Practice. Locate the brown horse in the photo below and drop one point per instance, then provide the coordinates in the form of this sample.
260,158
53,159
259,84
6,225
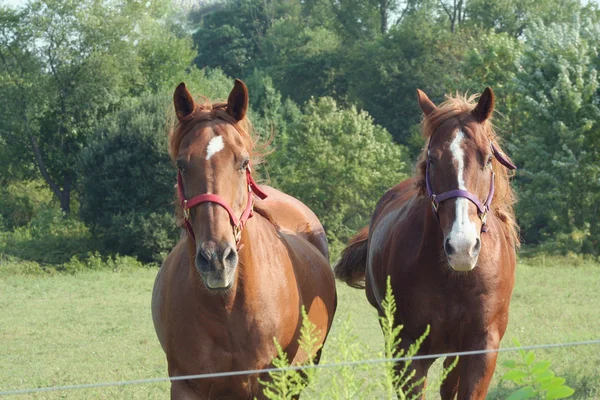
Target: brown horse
249,259
450,255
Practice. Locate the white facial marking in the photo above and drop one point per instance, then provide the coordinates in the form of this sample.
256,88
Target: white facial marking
463,235
459,157
214,146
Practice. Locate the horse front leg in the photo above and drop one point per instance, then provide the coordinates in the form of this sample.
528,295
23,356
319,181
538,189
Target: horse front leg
182,390
417,383
449,387
476,371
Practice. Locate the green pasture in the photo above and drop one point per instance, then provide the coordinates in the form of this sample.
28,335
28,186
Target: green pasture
95,326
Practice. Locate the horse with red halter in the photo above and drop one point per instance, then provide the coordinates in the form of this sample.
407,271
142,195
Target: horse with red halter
249,259
447,239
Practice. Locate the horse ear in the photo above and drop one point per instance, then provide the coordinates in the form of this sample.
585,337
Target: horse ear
237,102
485,106
183,100
426,105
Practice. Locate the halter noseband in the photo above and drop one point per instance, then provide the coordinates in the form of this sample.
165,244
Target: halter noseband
482,208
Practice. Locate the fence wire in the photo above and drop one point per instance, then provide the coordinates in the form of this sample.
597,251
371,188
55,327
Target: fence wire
294,368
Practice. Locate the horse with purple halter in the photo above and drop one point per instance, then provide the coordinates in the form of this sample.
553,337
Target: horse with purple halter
450,256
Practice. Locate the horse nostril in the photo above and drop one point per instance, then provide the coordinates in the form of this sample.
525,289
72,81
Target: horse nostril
476,247
448,247
229,256
202,259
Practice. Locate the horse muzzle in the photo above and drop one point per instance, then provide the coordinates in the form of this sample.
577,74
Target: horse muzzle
216,264
462,254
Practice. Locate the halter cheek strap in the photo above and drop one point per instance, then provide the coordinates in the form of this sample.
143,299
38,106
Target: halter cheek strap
482,208
236,224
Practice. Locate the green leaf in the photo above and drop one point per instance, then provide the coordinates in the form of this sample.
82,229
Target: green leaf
529,357
510,364
526,392
552,383
540,367
559,392
515,375
544,376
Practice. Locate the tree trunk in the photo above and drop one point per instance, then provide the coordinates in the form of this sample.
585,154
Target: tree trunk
383,12
64,195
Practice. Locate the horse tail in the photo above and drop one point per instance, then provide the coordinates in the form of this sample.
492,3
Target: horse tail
353,262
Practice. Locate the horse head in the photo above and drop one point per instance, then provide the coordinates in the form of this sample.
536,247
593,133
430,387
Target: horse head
212,152
459,174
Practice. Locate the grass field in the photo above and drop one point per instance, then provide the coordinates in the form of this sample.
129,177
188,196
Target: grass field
96,326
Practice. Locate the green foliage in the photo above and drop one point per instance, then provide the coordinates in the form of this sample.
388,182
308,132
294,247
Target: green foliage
51,237
16,208
93,261
338,162
65,64
514,16
127,177
350,381
558,136
535,378
399,377
289,383
127,182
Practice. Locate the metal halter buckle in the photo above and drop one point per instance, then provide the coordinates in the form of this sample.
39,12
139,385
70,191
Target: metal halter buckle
186,210
434,204
483,217
237,232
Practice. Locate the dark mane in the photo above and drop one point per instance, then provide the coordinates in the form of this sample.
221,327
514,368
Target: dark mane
460,107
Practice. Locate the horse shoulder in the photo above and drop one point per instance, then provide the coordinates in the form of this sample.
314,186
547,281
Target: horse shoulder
293,216
161,289
316,286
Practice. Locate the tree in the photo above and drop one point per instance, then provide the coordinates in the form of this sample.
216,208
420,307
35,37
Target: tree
127,177
514,16
558,135
339,163
65,64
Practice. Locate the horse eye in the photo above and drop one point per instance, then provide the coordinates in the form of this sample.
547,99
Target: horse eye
489,160
180,165
430,160
245,164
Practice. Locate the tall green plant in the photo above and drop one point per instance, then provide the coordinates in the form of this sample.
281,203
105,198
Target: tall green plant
289,383
535,378
353,381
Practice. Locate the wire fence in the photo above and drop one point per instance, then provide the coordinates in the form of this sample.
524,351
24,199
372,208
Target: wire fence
295,368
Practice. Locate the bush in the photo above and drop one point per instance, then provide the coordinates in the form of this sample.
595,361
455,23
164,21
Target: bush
19,202
127,177
339,163
50,238
127,182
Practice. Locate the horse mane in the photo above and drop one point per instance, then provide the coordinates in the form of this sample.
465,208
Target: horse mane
208,111
460,107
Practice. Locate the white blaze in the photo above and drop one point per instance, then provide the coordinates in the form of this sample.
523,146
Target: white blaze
214,146
463,235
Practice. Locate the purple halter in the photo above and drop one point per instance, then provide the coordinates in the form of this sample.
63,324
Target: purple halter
483,208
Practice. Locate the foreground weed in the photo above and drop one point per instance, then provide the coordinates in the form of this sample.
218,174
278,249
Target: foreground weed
536,379
289,383
399,377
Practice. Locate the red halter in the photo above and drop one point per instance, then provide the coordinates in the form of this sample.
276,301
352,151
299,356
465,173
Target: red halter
237,224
